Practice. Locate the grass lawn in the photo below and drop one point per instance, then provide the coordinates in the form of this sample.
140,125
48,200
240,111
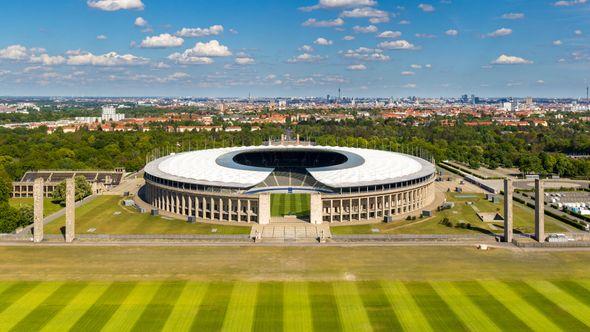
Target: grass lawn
126,288
289,204
524,220
107,215
491,305
49,207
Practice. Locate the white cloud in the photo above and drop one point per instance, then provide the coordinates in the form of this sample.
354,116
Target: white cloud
452,32
101,37
578,32
114,5
164,40
186,59
210,49
365,12
416,66
213,30
244,60
358,67
378,20
409,86
323,41
502,32
540,82
390,34
510,60
332,4
161,65
14,52
426,7
305,57
306,49
557,42
201,53
111,59
312,22
33,55
140,22
47,60
366,54
408,73
367,29
404,22
513,16
348,38
569,3
398,45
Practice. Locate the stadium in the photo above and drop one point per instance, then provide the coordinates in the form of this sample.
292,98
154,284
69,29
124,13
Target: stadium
237,184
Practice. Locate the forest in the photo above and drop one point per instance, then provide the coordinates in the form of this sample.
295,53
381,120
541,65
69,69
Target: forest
534,150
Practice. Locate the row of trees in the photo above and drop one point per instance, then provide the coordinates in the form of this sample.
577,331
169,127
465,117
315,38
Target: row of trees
535,150
11,218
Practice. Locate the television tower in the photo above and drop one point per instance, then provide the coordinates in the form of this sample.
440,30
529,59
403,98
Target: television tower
339,94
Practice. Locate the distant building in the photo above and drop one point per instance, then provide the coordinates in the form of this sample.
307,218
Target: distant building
109,113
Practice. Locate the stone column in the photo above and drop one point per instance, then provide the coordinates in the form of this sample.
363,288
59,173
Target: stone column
70,210
264,209
38,188
508,215
539,211
316,209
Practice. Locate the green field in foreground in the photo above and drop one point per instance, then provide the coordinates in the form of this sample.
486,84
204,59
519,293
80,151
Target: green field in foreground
524,221
49,207
106,215
492,305
289,204
123,288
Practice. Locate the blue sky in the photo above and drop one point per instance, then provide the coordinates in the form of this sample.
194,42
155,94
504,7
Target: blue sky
294,48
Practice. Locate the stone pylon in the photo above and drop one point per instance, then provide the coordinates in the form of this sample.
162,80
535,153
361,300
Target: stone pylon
508,212
539,211
70,210
264,209
315,215
38,188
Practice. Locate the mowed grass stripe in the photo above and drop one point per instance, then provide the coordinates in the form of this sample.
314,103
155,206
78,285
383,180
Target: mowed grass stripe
27,303
323,307
101,311
565,301
378,307
132,308
350,307
13,292
269,307
535,319
574,289
435,309
44,312
71,313
471,315
409,314
296,308
157,311
213,307
182,315
560,317
240,310
502,316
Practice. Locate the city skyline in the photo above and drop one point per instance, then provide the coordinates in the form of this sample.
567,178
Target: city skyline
310,48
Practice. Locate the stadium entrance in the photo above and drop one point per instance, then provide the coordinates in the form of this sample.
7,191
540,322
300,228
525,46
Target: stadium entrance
290,207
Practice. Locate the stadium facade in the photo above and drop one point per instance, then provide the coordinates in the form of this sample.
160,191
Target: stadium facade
235,184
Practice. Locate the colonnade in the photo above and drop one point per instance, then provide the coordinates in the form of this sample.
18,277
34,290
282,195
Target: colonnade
216,207
377,205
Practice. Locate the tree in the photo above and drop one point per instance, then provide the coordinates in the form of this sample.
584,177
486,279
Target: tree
83,189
